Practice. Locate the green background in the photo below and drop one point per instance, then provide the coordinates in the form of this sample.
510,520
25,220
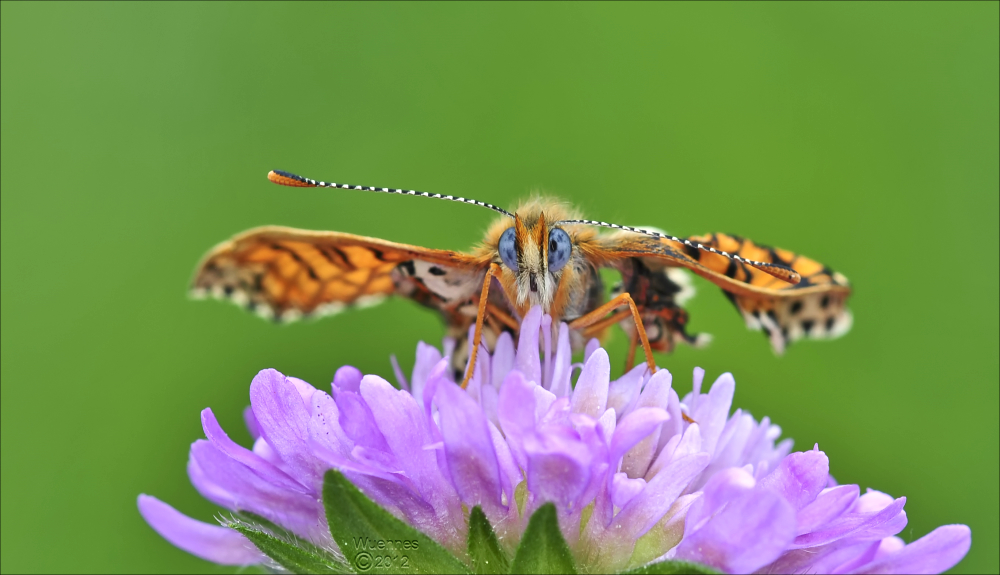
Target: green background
135,137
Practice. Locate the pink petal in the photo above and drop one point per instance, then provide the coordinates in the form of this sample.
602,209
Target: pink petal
643,512
633,428
935,552
284,422
800,477
751,531
527,360
624,489
830,504
428,357
561,386
624,391
263,468
850,524
210,542
712,410
503,359
251,422
468,447
591,394
347,378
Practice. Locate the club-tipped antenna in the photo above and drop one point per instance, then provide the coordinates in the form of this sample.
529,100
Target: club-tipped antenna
289,179
779,271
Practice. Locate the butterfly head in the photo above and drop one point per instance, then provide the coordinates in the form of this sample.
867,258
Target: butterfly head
534,254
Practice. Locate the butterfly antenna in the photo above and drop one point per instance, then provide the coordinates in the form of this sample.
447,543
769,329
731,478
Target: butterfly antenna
781,272
288,179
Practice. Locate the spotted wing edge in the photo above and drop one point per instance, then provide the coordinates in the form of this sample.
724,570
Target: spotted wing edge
611,248
401,252
762,308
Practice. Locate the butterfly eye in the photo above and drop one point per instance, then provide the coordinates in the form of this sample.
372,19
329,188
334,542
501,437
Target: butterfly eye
508,249
560,248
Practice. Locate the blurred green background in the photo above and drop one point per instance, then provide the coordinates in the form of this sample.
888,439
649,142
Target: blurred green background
135,137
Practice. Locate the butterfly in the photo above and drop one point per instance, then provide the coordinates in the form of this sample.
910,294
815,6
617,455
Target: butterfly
542,254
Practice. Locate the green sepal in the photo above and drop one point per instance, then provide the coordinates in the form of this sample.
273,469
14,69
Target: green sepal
672,568
542,548
259,523
291,557
356,523
484,549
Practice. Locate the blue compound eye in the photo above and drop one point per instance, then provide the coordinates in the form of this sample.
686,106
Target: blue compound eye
508,249
560,248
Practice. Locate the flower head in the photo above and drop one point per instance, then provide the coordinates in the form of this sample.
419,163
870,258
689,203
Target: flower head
635,473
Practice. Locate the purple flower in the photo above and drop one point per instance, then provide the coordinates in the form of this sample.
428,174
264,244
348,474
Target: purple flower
636,474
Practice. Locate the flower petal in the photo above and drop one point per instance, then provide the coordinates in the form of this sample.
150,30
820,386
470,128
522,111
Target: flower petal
935,552
590,397
624,489
646,509
284,423
829,558
437,376
263,468
234,486
347,378
543,401
403,423
624,391
358,422
490,401
517,412
391,491
851,523
546,327
210,542
510,474
397,372
468,448
562,370
527,360
656,394
503,359
830,504
304,388
678,446
712,411
324,427
800,477
725,486
558,468
427,357
666,534
635,427
751,531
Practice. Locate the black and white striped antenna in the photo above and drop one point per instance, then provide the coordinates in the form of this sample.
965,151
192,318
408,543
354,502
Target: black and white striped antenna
289,179
778,271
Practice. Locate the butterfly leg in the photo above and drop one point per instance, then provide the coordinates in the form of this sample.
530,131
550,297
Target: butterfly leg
630,358
595,317
502,317
477,337
597,328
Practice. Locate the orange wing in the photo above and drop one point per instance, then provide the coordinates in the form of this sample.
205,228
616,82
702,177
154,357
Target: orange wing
813,308
285,273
